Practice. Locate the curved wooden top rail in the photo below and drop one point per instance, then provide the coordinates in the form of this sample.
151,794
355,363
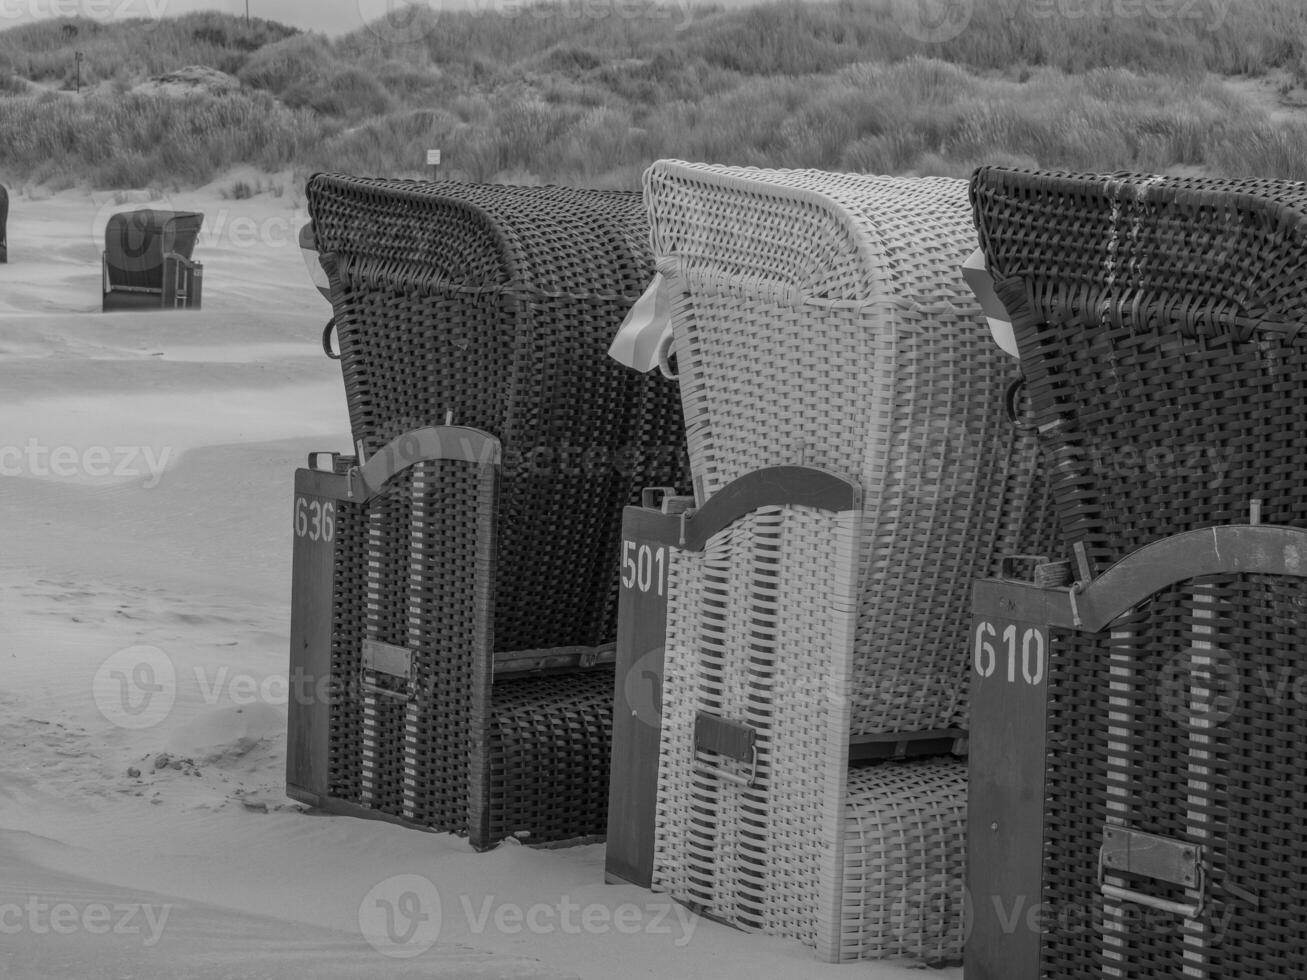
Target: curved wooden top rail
1264,549
803,486
431,443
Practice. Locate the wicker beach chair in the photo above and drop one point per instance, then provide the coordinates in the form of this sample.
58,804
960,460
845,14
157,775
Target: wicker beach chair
822,319
1147,779
147,262
473,576
1158,343
821,326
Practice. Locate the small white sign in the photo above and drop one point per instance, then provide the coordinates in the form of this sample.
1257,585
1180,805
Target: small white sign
433,158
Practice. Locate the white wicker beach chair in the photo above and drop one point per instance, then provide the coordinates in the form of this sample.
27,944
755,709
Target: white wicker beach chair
822,320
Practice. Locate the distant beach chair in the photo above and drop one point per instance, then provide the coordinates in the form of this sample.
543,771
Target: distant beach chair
147,263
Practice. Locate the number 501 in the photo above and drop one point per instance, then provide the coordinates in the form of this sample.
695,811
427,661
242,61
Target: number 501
643,567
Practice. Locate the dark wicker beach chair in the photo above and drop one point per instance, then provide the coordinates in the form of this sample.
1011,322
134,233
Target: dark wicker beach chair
1159,343
147,262
1145,775
468,595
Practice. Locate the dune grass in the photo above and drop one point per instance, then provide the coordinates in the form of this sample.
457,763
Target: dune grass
589,95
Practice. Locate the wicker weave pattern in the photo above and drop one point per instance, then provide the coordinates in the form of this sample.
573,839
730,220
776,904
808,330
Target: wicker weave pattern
738,633
550,740
1157,323
822,319
904,854
1198,741
442,561
347,633
386,615
494,306
862,863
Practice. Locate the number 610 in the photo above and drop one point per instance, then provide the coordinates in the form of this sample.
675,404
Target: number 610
1033,652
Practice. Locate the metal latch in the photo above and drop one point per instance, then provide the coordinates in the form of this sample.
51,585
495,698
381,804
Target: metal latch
393,661
1151,856
665,500
732,739
1038,569
337,463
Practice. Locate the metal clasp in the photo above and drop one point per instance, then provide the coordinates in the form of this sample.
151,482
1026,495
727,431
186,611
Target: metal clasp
1159,858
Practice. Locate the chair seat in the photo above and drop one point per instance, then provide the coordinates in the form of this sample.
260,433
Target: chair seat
549,744
905,855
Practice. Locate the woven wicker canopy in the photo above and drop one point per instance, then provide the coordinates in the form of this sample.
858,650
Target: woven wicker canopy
1158,323
135,243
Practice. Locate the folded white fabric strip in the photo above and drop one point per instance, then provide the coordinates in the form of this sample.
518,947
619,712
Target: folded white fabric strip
982,284
643,331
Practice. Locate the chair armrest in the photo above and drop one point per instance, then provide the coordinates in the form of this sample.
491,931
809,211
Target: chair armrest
182,280
179,258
